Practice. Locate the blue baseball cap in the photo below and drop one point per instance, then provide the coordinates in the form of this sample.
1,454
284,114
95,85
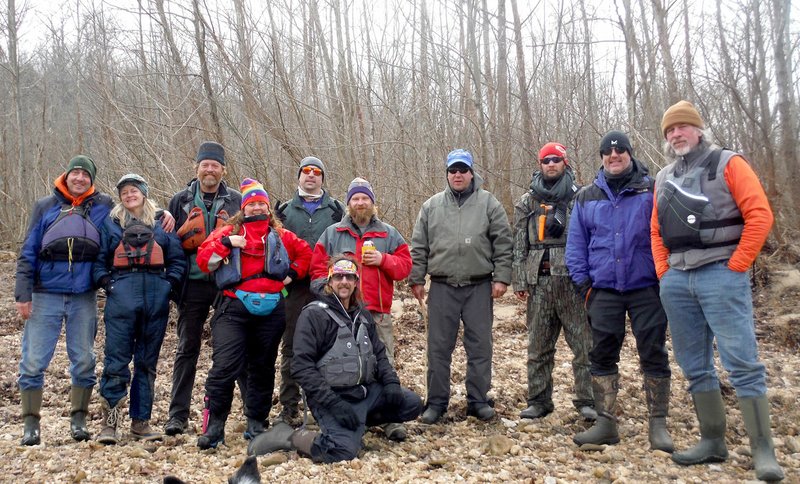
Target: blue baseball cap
459,156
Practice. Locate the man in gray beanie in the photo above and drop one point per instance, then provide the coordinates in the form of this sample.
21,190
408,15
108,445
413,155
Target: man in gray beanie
307,214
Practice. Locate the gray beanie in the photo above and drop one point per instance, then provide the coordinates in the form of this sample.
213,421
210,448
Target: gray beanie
312,161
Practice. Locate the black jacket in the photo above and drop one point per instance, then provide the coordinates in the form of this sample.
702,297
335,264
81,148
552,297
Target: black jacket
314,336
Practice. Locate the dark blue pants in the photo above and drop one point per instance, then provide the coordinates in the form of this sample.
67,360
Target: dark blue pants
336,443
135,319
242,341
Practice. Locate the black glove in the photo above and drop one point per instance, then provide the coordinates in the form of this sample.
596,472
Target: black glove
556,222
344,414
393,395
103,282
583,289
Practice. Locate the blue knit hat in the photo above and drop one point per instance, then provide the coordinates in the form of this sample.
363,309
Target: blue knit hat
135,180
360,185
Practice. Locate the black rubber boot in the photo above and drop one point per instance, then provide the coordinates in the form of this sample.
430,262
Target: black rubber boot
755,413
79,397
31,407
214,434
657,392
254,427
604,430
710,410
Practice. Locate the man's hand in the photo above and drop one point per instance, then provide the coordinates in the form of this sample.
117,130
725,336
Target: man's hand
393,395
167,221
498,289
418,290
344,414
521,295
24,309
237,241
371,258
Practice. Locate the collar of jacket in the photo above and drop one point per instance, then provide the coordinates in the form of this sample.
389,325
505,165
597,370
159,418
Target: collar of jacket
639,182
375,226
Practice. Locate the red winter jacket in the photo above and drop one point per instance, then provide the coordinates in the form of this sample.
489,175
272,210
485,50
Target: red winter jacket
213,251
376,283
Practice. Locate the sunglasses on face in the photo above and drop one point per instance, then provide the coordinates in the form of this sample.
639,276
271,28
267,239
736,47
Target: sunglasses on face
346,277
459,169
619,151
307,170
552,159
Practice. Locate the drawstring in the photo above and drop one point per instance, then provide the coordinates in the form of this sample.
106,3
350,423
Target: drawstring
70,244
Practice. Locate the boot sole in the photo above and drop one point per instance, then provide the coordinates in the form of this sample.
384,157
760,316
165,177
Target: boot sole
602,442
706,460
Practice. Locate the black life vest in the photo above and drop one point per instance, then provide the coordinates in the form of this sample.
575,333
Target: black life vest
138,249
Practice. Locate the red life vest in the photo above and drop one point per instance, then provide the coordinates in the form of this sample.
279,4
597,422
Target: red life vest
193,232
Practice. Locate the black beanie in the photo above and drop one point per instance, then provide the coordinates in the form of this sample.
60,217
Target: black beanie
211,150
615,139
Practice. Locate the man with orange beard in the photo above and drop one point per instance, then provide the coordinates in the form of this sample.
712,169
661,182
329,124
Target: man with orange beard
384,258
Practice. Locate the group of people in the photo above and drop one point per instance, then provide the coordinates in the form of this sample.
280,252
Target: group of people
313,279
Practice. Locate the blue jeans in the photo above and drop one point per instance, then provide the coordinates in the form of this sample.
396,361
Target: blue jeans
711,302
78,312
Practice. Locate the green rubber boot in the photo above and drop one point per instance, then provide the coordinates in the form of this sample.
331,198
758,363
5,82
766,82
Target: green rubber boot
31,406
755,413
79,397
604,430
710,410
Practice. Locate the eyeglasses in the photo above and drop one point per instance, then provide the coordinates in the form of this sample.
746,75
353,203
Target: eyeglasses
346,277
454,170
552,159
307,170
619,151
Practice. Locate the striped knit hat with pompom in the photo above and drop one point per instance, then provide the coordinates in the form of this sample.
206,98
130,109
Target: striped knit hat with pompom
253,191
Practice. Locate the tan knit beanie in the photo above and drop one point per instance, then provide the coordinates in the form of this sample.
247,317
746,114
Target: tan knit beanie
681,112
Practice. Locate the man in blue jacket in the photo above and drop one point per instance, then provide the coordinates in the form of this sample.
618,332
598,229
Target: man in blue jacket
54,284
610,262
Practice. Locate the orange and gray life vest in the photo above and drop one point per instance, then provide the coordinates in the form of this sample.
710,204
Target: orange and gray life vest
194,231
350,361
698,217
71,237
138,249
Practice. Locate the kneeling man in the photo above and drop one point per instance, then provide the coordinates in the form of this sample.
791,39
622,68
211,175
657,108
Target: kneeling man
341,365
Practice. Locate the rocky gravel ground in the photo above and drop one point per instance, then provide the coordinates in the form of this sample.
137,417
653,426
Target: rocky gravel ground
506,449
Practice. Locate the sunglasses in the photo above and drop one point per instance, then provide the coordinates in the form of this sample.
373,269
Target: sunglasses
552,159
307,170
454,170
346,277
619,151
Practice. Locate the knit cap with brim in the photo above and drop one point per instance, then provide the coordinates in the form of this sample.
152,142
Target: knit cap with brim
84,163
135,180
682,112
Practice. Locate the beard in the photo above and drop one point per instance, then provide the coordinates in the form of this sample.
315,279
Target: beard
362,216
682,150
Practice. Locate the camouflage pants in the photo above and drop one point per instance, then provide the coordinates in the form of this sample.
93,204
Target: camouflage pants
553,305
